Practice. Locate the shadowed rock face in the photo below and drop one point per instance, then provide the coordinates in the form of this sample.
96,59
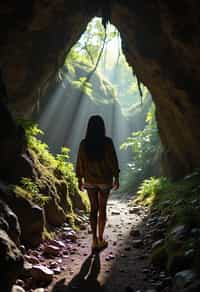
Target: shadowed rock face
160,39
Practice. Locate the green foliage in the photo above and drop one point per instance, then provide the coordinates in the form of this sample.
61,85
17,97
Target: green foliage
41,149
52,170
33,190
83,85
60,162
66,168
179,202
150,188
143,145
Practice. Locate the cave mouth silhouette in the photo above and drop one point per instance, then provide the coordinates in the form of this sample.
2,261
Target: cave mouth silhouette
89,85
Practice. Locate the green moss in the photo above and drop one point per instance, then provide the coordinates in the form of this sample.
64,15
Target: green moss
47,234
55,177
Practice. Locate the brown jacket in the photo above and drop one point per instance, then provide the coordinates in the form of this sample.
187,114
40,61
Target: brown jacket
98,172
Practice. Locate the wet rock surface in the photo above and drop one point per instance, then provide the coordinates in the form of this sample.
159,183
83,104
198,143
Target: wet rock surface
11,261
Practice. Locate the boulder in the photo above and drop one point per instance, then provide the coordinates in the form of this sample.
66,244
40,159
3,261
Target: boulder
41,274
9,222
31,217
11,262
55,215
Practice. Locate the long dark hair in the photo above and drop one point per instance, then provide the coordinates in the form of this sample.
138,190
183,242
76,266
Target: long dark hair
95,138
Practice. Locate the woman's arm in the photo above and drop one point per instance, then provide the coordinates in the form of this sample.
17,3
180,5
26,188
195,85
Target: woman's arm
80,167
114,165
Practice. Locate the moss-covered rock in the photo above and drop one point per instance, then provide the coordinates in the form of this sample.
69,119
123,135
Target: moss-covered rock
55,215
30,216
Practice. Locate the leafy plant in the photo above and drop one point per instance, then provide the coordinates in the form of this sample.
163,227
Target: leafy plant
151,187
32,188
143,145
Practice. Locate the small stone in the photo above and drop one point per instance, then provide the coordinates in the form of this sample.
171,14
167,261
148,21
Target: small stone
58,243
23,249
189,253
41,273
20,282
115,212
53,265
157,243
179,232
184,278
32,259
134,210
194,202
17,288
137,243
70,235
67,229
57,270
51,250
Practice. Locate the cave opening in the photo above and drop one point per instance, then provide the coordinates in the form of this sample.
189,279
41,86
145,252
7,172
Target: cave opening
41,206
96,79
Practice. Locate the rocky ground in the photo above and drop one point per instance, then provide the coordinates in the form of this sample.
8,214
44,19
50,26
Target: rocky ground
66,263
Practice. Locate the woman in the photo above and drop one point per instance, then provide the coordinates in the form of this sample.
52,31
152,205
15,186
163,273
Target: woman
97,171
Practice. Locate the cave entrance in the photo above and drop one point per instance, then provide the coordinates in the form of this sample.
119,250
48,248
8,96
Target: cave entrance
96,79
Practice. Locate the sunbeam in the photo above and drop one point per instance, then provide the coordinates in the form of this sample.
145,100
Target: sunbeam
90,85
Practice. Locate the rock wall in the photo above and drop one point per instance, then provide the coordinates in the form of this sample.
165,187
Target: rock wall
160,39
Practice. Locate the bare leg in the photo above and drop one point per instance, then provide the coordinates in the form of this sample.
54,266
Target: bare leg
93,196
103,198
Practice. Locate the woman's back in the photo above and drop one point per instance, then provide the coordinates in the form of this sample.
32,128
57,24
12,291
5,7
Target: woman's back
100,170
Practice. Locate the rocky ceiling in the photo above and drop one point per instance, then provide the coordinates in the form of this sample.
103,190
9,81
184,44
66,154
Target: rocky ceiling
161,40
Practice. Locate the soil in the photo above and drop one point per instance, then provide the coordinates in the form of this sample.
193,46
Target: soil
122,266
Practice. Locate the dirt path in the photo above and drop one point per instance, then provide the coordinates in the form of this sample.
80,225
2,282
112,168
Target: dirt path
120,267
